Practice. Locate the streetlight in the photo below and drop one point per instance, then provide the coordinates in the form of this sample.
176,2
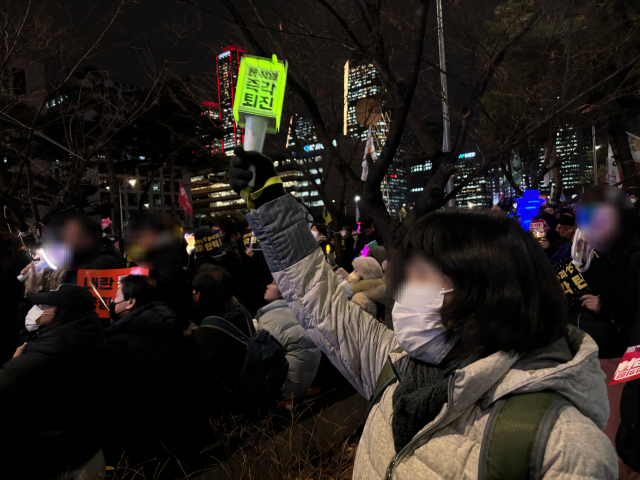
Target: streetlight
357,198
357,211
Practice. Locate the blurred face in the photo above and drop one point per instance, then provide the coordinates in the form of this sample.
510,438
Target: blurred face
421,272
314,229
369,230
600,224
272,294
48,314
196,297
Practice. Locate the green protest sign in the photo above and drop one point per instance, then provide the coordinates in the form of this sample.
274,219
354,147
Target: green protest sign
260,90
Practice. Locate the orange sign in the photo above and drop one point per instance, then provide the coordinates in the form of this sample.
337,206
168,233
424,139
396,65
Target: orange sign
106,283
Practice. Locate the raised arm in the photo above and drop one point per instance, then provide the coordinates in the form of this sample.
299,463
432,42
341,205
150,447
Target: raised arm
355,342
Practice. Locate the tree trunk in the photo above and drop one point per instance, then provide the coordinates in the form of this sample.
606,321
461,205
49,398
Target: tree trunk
625,158
172,187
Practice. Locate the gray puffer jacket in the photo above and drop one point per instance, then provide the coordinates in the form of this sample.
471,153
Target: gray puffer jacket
302,354
448,447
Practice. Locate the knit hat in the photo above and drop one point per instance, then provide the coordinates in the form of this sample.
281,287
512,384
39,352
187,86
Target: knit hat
368,268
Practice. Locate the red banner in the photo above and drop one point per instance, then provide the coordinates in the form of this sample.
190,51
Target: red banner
183,200
629,368
106,283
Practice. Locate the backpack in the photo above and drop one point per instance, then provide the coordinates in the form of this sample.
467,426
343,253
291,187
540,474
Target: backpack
515,438
264,370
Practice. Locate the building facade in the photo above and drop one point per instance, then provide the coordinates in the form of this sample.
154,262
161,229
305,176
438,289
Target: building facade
157,199
227,64
362,80
573,149
479,192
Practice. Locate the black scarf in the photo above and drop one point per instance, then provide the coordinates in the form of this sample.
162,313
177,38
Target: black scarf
420,395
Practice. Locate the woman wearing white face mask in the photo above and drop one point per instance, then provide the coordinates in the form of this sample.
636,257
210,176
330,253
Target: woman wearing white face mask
479,315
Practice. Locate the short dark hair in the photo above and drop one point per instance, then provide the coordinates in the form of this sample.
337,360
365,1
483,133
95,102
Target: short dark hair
321,228
226,226
144,289
217,274
209,287
367,222
506,294
347,228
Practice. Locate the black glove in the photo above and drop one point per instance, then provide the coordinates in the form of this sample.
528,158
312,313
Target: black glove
240,175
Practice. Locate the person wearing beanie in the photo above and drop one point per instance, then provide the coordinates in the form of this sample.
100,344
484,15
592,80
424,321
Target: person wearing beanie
367,283
49,391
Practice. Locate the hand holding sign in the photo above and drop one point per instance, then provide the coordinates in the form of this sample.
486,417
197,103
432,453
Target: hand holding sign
257,109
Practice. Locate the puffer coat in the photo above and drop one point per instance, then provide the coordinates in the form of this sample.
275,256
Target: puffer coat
302,354
449,446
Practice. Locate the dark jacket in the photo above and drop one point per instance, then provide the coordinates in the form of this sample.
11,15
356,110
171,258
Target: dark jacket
563,252
11,294
107,258
142,369
348,253
364,239
49,401
616,284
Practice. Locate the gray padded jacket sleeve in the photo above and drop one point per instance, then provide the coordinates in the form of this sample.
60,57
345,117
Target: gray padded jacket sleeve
354,341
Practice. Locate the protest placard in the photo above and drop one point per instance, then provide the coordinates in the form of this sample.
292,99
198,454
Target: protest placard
106,283
629,368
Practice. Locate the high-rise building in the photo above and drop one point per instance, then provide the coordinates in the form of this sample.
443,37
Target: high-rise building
227,64
479,192
308,156
420,170
573,148
362,80
398,188
212,196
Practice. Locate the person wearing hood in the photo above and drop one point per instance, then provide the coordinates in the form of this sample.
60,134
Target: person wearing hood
50,390
479,317
302,354
143,374
367,283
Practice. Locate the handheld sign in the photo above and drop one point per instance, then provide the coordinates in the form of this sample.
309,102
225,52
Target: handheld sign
629,368
208,243
259,97
103,284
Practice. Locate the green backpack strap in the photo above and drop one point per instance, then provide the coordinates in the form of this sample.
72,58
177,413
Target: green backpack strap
516,435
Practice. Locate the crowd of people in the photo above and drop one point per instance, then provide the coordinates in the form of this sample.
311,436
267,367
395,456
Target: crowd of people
484,314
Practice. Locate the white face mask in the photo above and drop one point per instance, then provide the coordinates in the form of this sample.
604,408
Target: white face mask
417,323
30,321
343,233
634,200
315,233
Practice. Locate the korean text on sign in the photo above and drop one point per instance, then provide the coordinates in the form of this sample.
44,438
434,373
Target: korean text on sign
261,88
209,243
106,283
629,368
